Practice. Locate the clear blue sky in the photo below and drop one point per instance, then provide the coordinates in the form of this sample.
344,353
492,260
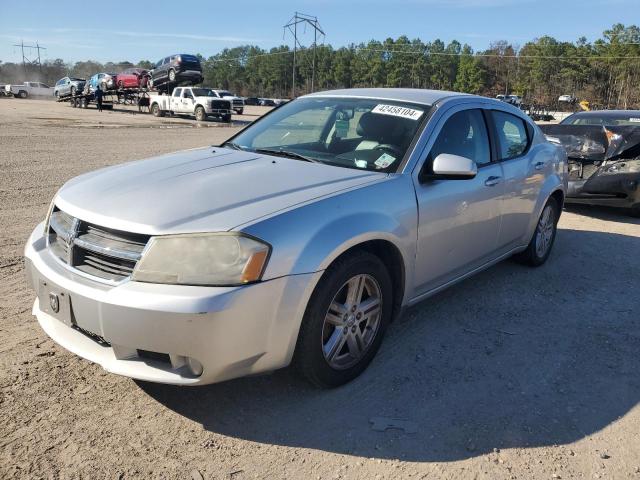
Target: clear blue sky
129,31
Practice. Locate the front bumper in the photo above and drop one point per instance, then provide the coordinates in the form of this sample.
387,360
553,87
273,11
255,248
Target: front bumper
619,190
154,332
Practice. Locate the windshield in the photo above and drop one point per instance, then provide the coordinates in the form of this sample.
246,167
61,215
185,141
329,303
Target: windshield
633,119
203,92
224,93
347,132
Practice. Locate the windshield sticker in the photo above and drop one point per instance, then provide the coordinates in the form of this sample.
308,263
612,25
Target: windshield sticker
384,160
394,110
361,163
634,119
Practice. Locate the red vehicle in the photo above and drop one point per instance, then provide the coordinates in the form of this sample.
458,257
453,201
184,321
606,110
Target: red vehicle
133,78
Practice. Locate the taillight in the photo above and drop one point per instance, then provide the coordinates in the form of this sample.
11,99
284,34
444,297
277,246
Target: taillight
178,59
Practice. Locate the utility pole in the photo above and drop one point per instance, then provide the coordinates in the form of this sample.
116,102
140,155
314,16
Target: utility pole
292,26
25,59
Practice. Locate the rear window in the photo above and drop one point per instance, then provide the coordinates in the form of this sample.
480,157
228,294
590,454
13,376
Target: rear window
189,58
631,120
512,134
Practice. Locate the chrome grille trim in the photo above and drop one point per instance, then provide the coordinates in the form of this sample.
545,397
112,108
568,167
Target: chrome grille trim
97,252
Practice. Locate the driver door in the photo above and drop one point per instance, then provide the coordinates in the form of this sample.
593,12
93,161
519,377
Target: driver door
458,219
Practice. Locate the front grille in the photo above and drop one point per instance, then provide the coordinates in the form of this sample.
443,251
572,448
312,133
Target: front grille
220,105
94,250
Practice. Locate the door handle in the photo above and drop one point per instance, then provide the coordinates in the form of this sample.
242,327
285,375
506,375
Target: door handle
492,181
539,165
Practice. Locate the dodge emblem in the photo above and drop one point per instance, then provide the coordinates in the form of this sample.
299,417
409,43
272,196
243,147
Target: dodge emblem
54,302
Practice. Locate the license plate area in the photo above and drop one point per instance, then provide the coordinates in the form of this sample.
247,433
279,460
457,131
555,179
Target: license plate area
55,301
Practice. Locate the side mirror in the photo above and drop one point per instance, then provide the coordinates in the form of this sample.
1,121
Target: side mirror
454,167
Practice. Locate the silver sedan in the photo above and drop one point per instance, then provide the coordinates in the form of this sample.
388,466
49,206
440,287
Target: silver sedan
297,241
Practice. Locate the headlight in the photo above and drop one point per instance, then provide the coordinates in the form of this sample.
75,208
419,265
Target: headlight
212,259
625,166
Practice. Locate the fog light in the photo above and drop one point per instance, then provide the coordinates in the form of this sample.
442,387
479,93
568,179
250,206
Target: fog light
194,366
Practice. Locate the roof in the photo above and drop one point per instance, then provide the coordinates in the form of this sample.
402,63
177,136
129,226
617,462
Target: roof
413,95
607,113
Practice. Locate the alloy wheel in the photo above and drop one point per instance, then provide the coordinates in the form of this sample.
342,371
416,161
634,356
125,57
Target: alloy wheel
352,321
544,231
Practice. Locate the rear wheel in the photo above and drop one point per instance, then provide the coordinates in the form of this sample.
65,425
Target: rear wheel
200,114
73,91
22,94
345,320
539,247
155,110
172,75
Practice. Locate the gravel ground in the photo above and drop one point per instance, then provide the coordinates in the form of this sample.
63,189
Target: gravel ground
514,373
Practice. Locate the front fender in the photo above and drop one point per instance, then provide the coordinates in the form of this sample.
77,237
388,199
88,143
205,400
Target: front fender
310,237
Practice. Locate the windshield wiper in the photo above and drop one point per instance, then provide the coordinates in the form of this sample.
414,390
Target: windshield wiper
287,153
235,146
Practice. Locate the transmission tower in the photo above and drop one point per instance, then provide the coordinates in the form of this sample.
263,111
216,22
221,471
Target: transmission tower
292,27
26,60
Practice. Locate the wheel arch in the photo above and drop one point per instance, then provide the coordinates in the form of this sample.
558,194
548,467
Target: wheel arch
392,258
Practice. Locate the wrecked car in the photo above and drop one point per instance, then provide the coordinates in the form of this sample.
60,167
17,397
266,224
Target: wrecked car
603,150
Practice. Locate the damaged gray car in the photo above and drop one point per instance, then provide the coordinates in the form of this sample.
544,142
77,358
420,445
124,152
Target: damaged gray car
603,150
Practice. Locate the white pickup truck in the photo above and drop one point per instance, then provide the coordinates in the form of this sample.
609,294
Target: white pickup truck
29,89
237,103
196,101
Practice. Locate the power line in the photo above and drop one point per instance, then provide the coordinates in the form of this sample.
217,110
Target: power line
25,59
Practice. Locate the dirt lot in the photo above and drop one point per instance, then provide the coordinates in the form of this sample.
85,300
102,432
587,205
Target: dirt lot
515,373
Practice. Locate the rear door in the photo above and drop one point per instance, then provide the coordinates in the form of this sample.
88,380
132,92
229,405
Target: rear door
523,176
458,220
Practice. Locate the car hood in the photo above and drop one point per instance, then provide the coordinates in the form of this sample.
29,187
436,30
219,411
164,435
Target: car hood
208,189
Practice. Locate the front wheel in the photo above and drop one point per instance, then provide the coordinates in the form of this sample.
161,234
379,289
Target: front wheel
539,247
73,91
345,320
240,111
226,118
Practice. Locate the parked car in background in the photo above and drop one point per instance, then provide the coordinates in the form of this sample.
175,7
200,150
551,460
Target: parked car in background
132,78
267,102
515,100
567,99
177,69
196,101
68,86
105,80
3,91
297,240
236,102
604,157
252,101
29,89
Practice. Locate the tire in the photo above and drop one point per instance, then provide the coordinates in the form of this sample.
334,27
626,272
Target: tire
22,94
172,75
351,330
635,211
150,83
200,114
121,85
226,118
155,110
84,103
240,111
73,91
541,244
73,102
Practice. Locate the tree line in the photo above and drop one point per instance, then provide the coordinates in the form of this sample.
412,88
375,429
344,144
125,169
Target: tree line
605,72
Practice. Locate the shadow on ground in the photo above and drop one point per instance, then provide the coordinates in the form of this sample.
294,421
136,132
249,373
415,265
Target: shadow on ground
513,357
613,214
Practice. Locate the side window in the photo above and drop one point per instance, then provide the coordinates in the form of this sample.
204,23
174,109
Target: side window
464,134
512,134
177,92
159,64
166,60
